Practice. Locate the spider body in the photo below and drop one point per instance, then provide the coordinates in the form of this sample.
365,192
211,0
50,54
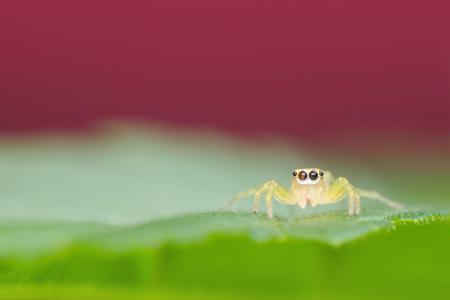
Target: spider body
312,186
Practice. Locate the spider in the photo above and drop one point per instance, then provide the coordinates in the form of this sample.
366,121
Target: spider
312,186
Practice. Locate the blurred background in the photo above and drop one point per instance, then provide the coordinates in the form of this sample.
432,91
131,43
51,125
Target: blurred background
122,112
311,70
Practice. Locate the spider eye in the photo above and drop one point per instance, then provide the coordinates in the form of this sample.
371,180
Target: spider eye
294,173
321,173
313,175
302,175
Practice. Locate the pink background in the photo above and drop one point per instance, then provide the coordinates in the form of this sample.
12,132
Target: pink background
303,68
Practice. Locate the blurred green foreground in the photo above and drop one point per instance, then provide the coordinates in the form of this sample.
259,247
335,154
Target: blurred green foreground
136,215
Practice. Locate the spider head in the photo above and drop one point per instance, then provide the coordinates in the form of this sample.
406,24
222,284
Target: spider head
307,176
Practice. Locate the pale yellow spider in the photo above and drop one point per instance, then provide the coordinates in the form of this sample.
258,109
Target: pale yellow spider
314,187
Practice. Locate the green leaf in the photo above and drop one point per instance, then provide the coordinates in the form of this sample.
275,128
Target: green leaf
331,228
136,213
233,262
335,229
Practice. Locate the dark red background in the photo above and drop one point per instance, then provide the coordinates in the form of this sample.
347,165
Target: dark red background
305,68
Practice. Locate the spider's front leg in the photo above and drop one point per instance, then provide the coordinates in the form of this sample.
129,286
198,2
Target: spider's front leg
339,189
272,189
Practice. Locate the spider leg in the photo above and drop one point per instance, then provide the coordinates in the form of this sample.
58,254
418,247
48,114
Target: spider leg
241,195
377,196
272,189
255,208
269,209
341,188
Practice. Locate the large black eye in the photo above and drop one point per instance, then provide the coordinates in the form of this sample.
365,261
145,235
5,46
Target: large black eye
294,173
313,175
302,175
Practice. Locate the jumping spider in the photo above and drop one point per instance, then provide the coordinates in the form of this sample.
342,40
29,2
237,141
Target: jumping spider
314,187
